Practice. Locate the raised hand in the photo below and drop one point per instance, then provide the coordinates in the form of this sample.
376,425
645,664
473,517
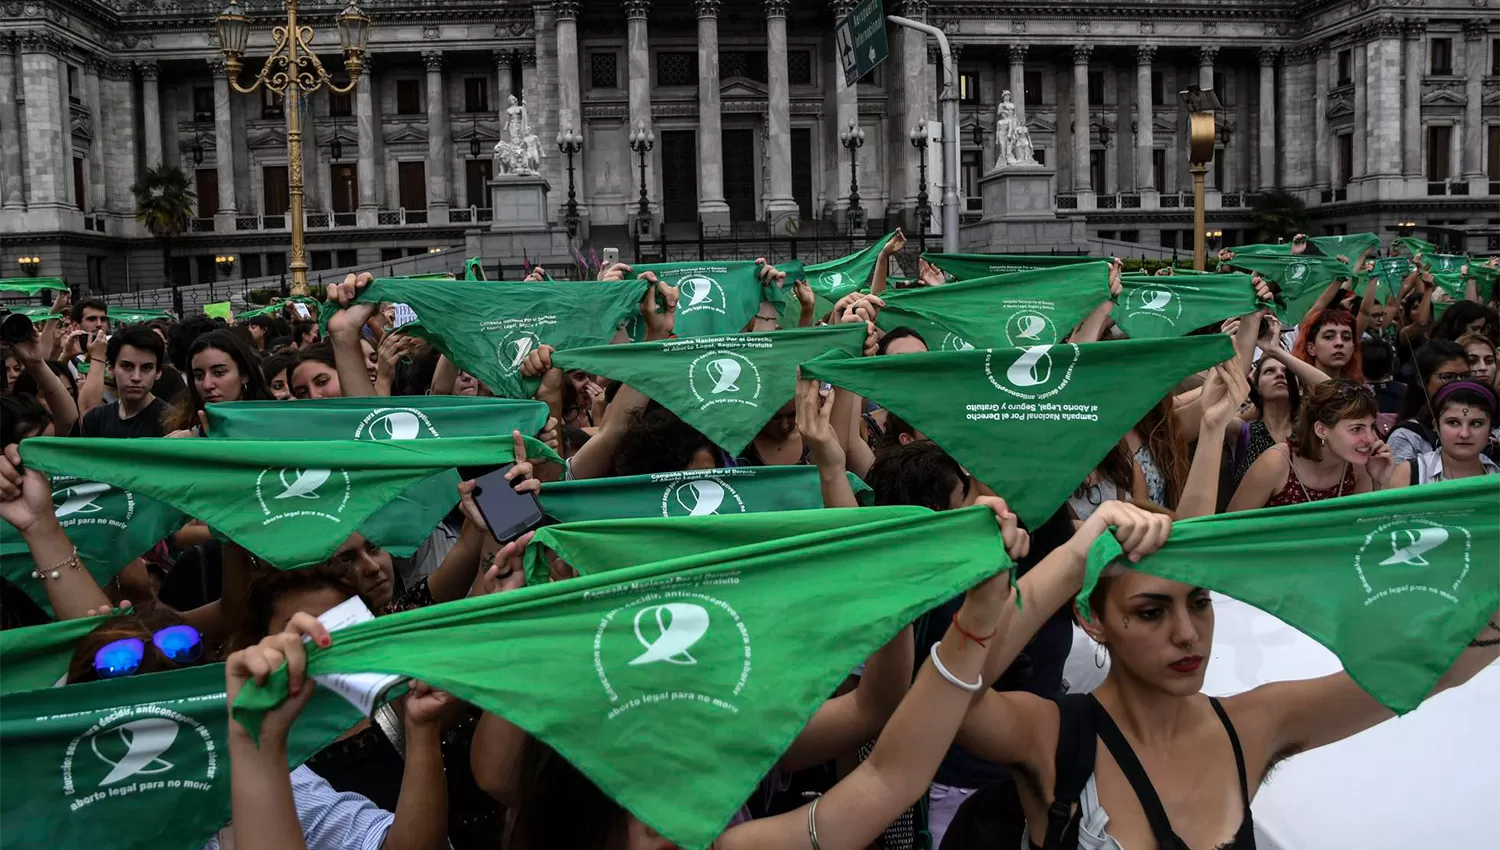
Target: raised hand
1017,541
537,362
614,271
659,323
349,320
258,662
1224,393
1139,531
506,570
427,706
537,274
25,494
814,408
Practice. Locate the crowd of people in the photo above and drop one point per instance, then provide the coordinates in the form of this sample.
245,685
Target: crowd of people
961,731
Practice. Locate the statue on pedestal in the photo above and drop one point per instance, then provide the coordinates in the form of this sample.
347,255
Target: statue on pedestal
519,151
1012,139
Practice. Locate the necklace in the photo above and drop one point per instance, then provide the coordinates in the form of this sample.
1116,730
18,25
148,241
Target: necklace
1308,498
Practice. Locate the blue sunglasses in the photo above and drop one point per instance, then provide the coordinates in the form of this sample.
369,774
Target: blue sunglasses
179,644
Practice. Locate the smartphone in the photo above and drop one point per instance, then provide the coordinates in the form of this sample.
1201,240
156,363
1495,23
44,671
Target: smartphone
610,257
508,514
301,310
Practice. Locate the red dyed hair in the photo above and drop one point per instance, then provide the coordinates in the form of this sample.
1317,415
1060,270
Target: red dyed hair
1313,324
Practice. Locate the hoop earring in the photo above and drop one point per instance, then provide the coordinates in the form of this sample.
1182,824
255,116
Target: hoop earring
1100,655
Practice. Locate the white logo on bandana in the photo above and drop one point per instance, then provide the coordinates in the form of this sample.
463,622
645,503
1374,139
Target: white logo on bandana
1042,371
1414,555
301,493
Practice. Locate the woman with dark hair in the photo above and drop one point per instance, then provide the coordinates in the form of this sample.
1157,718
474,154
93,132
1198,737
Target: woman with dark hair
152,640
276,369
901,340
1327,341
1149,464
1467,317
1276,398
1438,362
222,368
1334,451
1465,415
316,373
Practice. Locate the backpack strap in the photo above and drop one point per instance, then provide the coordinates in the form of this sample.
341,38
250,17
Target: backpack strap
1074,765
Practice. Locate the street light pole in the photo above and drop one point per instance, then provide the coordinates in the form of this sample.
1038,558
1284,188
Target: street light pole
293,70
949,101
1201,105
642,141
924,209
853,139
570,143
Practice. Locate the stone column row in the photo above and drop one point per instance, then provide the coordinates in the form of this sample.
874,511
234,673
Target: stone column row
1383,103
1475,33
438,140
638,59
846,109
713,210
46,124
367,121
1267,149
223,149
118,122
781,206
1081,177
1322,156
12,182
1145,133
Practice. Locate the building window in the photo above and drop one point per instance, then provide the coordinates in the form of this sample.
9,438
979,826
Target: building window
408,97
677,68
1346,160
346,258
250,265
345,180
1346,67
203,103
1169,239
1130,236
1219,171
1159,168
276,263
274,188
1107,234
80,197
1221,87
75,91
1033,83
477,181
208,269
1158,88
1097,171
750,64
206,181
271,105
604,70
799,67
1442,57
1096,88
1494,154
1041,155
340,105
1495,71
476,94
411,180
1439,165
973,166
390,255
322,260
968,88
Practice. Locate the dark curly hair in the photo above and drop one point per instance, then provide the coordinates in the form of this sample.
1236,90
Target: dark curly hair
656,440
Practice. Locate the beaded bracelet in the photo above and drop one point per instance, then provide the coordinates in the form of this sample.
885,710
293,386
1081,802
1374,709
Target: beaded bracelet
56,572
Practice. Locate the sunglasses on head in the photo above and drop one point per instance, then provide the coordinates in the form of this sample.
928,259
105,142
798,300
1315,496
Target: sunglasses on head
118,658
1349,390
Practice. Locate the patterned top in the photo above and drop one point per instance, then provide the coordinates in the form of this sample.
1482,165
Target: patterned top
330,820
1294,493
1260,440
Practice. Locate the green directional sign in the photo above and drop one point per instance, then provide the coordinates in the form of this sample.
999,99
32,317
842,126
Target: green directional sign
860,38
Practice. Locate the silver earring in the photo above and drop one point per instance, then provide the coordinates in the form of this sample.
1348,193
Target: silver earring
1100,654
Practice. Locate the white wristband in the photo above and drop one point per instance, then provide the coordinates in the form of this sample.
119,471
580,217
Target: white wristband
973,688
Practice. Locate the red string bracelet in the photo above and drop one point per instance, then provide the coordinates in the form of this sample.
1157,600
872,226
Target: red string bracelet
968,636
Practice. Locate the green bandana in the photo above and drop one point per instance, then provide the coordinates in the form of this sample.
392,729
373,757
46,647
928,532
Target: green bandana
1302,280
1450,263
139,763
292,502
1486,276
1036,307
37,657
1413,245
110,526
32,285
1390,271
713,660
126,316
1263,249
1351,245
404,524
693,492
836,278
1152,307
1028,422
487,329
612,544
38,313
970,266
727,387
1395,583
713,297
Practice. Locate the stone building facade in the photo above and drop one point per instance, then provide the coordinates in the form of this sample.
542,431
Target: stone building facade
1370,110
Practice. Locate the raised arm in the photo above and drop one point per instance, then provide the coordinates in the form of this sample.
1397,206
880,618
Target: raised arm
1264,477
344,332
814,411
882,271
91,393
1222,396
26,503
843,723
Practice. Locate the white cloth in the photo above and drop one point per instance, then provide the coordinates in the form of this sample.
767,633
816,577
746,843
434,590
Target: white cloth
330,820
1429,467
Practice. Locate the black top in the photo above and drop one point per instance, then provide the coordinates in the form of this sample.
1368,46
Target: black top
105,421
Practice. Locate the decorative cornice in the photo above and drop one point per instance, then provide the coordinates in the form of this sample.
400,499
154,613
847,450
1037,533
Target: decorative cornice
505,59
527,58
1187,11
150,71
1017,54
216,68
433,59
1414,28
842,8
636,10
40,41
566,10
706,8
777,8
1385,27
1267,56
120,71
1081,53
914,9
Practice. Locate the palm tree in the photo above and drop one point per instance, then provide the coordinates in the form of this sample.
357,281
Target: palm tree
1280,214
164,202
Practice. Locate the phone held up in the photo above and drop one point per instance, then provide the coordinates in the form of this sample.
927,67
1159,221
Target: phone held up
610,257
508,514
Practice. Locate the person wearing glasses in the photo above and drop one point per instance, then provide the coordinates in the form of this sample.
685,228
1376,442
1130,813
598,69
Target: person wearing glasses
1334,451
1436,364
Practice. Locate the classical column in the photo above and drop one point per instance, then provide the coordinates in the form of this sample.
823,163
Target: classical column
712,209
1018,81
1268,117
1321,153
1361,117
12,184
505,62
151,111
566,13
1411,101
846,102
367,214
527,59
1384,102
780,205
223,149
117,90
46,161
546,121
1145,109
437,139
1475,32
1294,113
1206,58
918,85
1081,53
92,66
638,62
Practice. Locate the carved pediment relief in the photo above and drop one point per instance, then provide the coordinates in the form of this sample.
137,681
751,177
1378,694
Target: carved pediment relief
399,133
742,87
1443,94
1340,106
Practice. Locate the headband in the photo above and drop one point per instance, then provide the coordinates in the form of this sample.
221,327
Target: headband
1449,389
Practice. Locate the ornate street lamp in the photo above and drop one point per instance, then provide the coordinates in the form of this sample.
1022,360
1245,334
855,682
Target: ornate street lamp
924,210
293,70
570,143
197,149
853,138
642,141
225,264
30,265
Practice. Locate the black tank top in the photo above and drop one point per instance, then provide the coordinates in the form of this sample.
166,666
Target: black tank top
1156,815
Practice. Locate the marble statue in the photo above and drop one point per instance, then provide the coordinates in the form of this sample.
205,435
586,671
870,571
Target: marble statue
1011,136
519,151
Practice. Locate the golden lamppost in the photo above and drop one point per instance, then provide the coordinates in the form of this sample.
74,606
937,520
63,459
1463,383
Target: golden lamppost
1201,106
291,71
